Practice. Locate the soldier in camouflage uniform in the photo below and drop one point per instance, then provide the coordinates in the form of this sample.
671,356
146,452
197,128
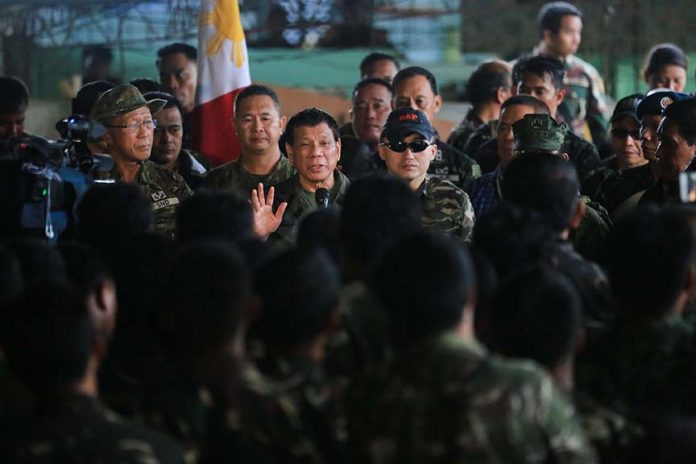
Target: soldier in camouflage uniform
128,139
416,88
442,397
54,348
258,124
408,150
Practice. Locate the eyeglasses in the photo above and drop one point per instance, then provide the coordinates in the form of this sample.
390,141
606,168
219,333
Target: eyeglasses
623,133
400,147
133,127
173,129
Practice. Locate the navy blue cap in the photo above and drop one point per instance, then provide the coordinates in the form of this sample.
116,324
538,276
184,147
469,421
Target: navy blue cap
657,100
405,121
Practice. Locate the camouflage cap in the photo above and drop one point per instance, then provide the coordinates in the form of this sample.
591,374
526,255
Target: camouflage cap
120,100
539,132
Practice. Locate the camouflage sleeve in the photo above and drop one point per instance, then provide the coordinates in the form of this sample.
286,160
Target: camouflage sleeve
468,170
467,223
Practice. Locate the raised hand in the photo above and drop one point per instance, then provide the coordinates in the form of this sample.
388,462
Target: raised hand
265,221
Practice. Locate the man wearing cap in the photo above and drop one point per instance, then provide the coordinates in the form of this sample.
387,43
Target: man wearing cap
676,151
129,123
628,173
408,147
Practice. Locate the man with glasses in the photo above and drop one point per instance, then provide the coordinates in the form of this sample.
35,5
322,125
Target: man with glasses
130,127
408,147
167,148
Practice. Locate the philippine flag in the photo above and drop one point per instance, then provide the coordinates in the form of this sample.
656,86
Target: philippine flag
223,70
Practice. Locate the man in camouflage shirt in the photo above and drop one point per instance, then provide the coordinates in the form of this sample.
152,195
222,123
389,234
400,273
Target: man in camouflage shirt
258,124
442,398
128,139
408,149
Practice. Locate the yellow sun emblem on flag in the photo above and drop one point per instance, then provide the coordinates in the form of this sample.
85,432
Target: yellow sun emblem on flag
227,22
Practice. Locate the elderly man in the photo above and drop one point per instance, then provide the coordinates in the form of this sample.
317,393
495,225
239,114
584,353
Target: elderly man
314,149
128,118
408,147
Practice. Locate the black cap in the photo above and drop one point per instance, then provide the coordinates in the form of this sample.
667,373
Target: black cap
406,121
657,100
627,106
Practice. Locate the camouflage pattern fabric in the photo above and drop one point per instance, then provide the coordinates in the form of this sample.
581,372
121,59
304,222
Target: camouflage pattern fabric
233,176
461,134
444,400
301,202
446,207
591,235
453,165
80,430
611,187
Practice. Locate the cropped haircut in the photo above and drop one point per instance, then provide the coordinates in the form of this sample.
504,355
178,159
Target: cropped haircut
547,184
311,117
222,215
649,254
172,49
257,90
526,100
424,282
484,82
539,65
535,314
551,14
146,85
298,290
683,115
662,55
376,57
14,95
171,100
88,95
371,81
413,71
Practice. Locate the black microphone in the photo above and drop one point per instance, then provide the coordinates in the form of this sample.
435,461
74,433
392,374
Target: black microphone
321,196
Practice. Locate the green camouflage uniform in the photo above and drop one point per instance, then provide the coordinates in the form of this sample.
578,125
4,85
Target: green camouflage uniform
301,202
591,235
232,175
446,207
445,400
453,165
79,429
166,189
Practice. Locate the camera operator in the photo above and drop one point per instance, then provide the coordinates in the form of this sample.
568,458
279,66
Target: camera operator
14,100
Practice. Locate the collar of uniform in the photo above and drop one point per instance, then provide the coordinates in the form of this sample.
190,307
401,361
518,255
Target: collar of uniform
116,174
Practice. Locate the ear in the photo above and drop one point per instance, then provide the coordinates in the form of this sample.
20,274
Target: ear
548,35
560,95
381,151
502,94
291,154
235,126
432,149
338,148
565,156
438,103
579,213
102,306
281,123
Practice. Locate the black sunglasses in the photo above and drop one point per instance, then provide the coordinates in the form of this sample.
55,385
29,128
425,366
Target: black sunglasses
623,133
400,147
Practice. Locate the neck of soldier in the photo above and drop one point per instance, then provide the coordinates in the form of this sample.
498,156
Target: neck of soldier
487,111
87,386
260,163
545,49
414,184
127,168
563,375
312,186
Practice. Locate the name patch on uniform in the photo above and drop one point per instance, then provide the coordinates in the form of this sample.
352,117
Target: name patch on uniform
164,203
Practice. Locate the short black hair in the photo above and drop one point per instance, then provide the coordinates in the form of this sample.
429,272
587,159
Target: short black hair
376,57
14,95
145,85
424,282
546,183
311,117
321,229
208,294
108,214
413,71
526,100
224,215
551,15
47,337
88,95
298,290
649,253
664,54
535,314
84,267
377,211
371,81
484,82
255,90
178,47
542,66
171,100
683,115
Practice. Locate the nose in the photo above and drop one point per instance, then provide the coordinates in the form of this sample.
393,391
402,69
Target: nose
171,82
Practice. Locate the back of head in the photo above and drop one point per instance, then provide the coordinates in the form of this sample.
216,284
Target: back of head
541,66
224,215
311,117
551,14
545,183
485,81
14,95
88,95
683,114
40,263
650,252
321,229
425,282
108,214
378,210
373,58
208,294
298,289
413,71
535,314
47,338
84,268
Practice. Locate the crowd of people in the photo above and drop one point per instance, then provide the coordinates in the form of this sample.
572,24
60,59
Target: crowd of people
521,291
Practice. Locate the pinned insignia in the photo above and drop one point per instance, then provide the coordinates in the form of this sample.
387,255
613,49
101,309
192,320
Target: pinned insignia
157,196
665,102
